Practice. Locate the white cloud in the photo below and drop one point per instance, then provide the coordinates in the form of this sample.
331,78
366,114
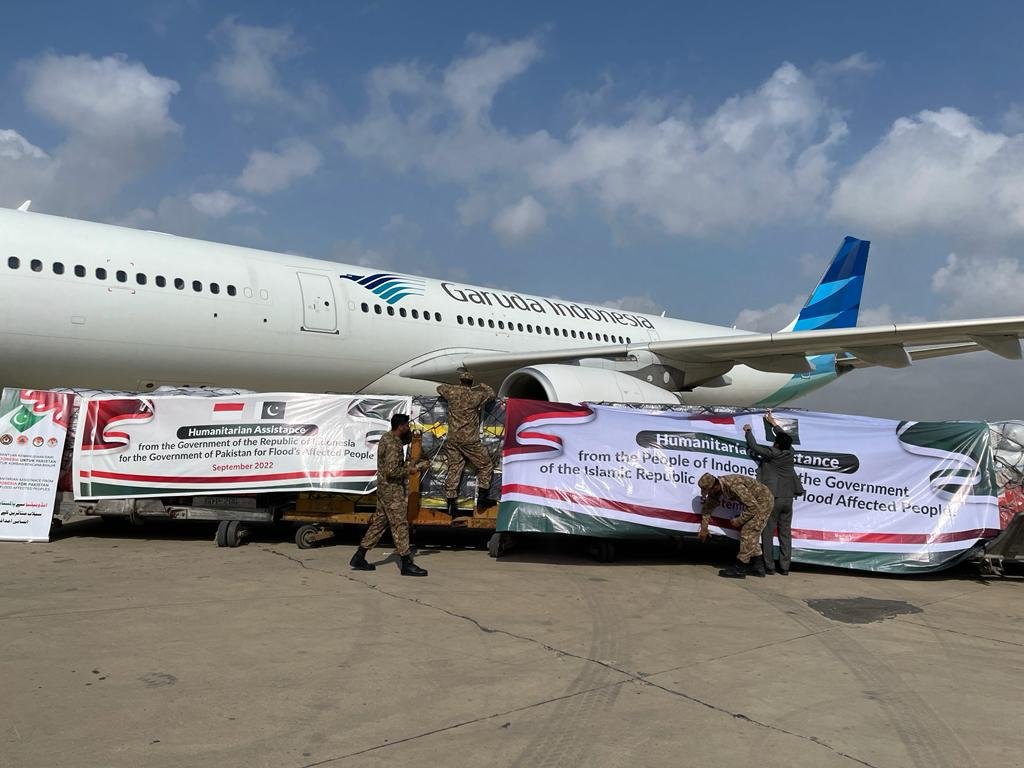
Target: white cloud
760,157
14,146
937,171
778,316
520,220
218,204
116,116
269,172
773,318
644,304
858,62
975,286
440,123
248,68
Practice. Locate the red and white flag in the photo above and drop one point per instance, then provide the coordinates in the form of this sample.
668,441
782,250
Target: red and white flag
226,411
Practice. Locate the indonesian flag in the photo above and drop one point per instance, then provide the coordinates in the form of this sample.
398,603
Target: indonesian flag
226,411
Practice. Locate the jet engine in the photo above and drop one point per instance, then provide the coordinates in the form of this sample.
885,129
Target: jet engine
575,383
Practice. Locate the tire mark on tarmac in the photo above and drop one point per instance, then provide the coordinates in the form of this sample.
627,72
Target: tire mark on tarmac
632,677
559,741
929,741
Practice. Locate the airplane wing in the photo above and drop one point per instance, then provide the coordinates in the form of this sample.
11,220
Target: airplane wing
891,346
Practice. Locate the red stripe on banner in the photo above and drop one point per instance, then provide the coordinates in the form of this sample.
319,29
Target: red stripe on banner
228,407
594,501
798,533
229,478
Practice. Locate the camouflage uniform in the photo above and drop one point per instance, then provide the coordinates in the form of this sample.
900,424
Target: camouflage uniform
392,473
757,501
464,403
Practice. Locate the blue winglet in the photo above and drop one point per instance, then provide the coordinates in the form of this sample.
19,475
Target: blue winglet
835,302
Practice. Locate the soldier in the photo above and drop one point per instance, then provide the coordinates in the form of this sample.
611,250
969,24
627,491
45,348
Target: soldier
464,403
757,500
393,471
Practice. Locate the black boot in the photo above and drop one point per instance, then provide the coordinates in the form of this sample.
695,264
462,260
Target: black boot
483,498
409,568
756,567
737,570
358,561
453,507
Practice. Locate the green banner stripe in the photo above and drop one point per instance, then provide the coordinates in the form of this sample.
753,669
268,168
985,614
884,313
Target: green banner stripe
522,517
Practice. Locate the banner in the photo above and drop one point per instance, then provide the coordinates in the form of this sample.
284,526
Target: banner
33,428
881,495
133,447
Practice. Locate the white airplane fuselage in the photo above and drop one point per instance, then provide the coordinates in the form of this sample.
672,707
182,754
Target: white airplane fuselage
100,306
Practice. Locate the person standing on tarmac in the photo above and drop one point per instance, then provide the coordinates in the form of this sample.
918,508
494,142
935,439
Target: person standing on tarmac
757,500
393,470
463,443
775,469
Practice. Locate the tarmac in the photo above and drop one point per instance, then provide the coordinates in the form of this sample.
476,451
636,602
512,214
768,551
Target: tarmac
124,646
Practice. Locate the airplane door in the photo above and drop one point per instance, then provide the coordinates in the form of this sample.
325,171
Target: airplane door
319,309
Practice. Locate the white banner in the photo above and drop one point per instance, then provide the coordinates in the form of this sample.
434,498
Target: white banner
881,495
131,447
33,428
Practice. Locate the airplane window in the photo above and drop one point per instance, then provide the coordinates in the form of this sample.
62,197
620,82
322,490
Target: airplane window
529,329
377,309
402,312
426,315
161,281
197,286
573,333
391,311
629,340
460,319
469,320
264,294
232,290
58,268
415,314
79,270
490,323
37,265
590,335
248,293
122,276
13,262
214,288
101,273
437,316
547,330
501,325
519,327
179,283
606,337
140,279
480,322
364,306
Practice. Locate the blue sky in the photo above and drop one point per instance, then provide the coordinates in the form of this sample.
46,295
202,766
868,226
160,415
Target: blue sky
701,158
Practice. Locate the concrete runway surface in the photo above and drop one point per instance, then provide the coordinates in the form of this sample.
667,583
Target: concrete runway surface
151,647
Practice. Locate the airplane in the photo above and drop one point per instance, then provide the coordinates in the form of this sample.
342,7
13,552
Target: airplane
106,307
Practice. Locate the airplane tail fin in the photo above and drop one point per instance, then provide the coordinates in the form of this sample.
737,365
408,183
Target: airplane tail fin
835,301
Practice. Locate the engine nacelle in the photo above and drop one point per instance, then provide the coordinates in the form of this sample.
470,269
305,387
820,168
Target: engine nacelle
575,384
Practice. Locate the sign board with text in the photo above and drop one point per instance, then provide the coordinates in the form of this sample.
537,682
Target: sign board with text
133,447
881,495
